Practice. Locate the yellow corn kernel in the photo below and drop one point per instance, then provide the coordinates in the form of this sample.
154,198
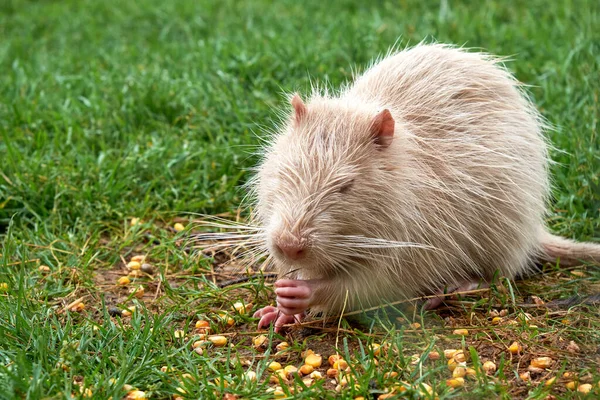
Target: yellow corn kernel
376,349
489,367
250,376
525,376
462,332
135,394
79,307
332,373
178,227
584,388
455,382
241,308
496,320
449,353
275,366
550,381
316,375
459,372
259,341
290,370
134,265
434,356
314,360
306,369
541,362
340,364
282,346
515,348
333,358
123,281
218,340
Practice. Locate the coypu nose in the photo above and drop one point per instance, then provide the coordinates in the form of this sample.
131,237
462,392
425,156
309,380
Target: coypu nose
293,247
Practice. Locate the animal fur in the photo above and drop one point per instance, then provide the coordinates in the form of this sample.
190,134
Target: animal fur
459,194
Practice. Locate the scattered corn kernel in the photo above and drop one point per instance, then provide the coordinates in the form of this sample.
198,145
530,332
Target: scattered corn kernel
275,366
138,258
572,385
525,376
179,334
503,313
187,376
279,375
584,388
86,392
279,393
415,325
573,347
333,358
340,364
449,353
496,320
123,281
225,318
134,265
515,348
180,390
241,308
314,360
462,332
44,269
307,381
316,375
550,381
459,372
376,349
250,376
202,324
570,375
178,227
306,369
138,291
460,356
219,381
390,375
332,372
134,273
218,340
3,286
259,341
434,355
455,382
79,307
290,370
135,394
541,362
134,221
282,346
489,367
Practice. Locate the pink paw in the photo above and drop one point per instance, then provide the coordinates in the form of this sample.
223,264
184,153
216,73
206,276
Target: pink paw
269,315
435,302
293,298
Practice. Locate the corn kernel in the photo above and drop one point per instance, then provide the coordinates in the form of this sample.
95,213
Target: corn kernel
449,353
333,358
525,376
550,381
340,364
218,340
135,394
390,375
470,372
572,385
307,382
496,320
515,348
241,308
290,370
306,369
138,291
134,265
316,375
135,221
138,258
274,366
460,356
178,227
259,341
462,332
250,376
434,355
44,269
489,367
332,372
569,375
202,324
282,346
541,362
123,281
459,372
279,375
376,349
314,360
79,307
455,382
178,334
584,388
415,325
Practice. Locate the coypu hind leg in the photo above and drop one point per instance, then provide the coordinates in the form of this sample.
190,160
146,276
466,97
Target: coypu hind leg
465,286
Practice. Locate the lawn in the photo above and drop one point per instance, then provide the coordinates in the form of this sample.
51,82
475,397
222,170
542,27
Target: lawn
119,119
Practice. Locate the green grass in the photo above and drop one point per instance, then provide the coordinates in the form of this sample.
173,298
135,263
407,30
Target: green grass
111,110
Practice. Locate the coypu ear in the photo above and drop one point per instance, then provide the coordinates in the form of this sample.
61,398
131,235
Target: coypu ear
382,128
299,109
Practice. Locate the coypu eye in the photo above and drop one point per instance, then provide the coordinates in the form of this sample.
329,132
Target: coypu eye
345,187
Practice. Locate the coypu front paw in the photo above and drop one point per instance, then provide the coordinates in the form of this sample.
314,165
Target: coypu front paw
270,314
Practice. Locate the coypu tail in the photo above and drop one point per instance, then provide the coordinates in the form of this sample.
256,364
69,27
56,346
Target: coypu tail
567,252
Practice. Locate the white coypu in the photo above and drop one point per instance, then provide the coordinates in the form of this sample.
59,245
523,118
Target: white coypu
430,170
